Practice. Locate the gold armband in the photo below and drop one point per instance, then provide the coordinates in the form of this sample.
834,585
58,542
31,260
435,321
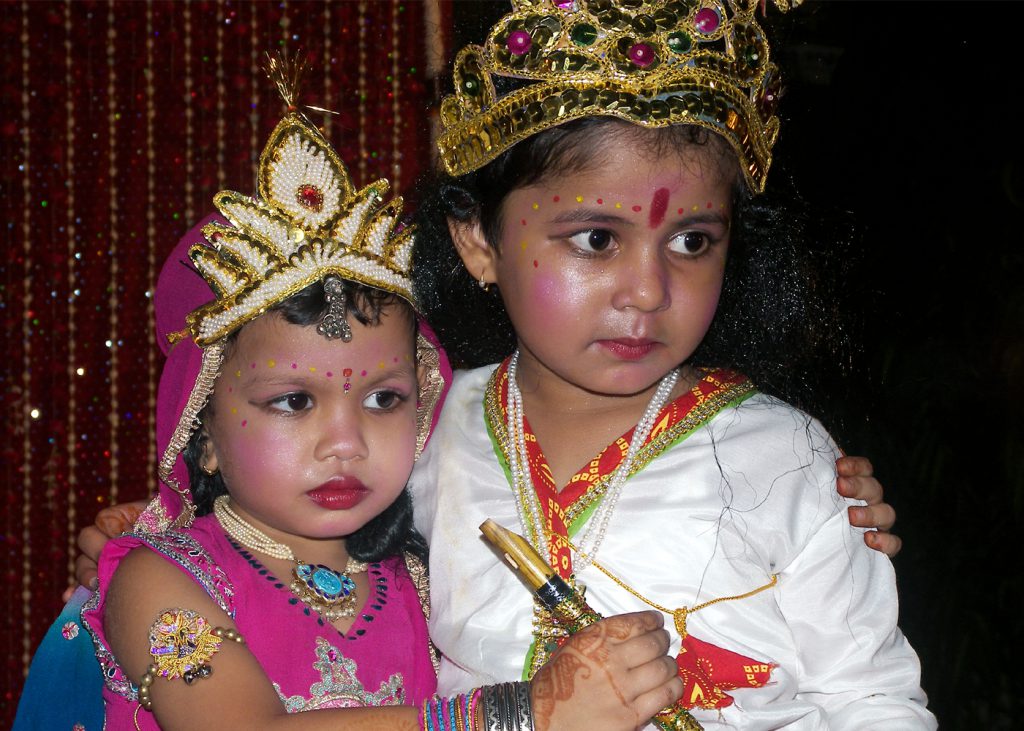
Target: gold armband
182,642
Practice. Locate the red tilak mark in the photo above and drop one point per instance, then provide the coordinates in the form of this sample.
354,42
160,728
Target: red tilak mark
244,422
679,211
330,375
709,205
600,201
637,209
659,204
556,199
535,264
522,221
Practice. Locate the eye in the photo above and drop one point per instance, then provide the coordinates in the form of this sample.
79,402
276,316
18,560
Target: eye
291,403
592,241
383,400
690,243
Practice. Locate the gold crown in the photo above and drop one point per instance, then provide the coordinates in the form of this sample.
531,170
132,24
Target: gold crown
655,63
308,222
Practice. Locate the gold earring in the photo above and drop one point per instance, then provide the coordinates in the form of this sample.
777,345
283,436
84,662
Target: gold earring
484,284
207,471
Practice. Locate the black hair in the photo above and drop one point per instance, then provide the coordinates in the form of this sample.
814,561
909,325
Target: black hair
778,317
388,534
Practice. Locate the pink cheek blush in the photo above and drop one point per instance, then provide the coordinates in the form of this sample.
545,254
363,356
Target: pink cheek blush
545,290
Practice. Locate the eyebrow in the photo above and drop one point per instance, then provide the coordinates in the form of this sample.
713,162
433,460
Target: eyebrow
589,215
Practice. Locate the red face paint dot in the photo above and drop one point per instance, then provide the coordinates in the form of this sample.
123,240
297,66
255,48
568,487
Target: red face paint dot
637,209
362,373
710,205
230,390
295,365
600,201
330,375
394,360
347,372
522,221
252,365
556,199
535,265
679,211
244,422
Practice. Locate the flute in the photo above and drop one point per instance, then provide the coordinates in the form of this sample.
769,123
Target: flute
565,603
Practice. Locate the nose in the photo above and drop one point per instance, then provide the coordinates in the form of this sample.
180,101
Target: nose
643,281
340,436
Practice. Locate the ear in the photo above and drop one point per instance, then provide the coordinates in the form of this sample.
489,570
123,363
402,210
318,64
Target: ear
208,456
477,255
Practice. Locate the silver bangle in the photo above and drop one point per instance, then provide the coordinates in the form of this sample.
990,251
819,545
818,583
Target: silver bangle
507,707
523,705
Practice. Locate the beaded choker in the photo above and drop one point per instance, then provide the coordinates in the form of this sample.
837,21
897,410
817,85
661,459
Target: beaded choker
329,593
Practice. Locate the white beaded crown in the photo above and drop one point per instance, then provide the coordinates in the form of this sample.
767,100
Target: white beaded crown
308,222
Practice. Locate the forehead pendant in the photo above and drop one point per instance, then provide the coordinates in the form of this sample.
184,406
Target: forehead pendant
335,323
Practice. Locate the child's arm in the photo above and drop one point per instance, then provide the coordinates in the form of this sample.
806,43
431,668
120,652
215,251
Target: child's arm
840,605
612,676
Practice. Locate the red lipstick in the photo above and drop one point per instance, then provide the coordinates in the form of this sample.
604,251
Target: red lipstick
341,493
628,348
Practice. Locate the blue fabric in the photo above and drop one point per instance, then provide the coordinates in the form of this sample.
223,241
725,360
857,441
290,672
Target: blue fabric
65,683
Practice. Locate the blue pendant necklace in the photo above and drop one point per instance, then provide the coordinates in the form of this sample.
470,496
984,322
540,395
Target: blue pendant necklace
329,593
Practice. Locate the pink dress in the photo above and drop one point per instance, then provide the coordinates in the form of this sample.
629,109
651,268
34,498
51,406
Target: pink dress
384,659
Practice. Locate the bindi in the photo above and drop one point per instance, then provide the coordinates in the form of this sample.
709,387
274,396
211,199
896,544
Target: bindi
659,204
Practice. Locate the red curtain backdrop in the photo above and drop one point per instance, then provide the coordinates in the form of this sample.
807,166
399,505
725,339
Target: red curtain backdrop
118,123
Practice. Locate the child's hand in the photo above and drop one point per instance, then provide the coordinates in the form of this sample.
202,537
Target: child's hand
856,481
110,523
612,675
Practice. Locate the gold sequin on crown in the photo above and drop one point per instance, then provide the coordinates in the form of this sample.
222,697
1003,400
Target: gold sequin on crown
309,221
654,63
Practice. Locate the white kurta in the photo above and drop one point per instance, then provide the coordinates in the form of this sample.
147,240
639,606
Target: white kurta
750,494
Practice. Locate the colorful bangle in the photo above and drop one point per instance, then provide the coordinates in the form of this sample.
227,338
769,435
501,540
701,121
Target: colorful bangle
458,712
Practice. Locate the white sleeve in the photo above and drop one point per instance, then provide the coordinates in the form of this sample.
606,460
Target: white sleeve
839,600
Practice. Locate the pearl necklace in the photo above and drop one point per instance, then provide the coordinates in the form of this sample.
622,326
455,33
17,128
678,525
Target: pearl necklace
329,593
528,505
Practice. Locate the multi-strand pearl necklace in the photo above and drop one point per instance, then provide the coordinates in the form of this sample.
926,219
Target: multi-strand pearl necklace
526,495
329,593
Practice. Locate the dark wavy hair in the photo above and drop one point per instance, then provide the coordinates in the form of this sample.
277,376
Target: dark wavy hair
779,321
388,534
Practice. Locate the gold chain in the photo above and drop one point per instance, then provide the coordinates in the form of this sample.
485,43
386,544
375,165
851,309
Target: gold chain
678,615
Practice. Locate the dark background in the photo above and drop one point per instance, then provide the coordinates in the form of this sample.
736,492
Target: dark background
900,113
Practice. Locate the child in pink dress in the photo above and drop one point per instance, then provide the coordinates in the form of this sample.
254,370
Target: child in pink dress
295,398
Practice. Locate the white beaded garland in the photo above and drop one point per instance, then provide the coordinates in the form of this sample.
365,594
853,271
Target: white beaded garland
526,493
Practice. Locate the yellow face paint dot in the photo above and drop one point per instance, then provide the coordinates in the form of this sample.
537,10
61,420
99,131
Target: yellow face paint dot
536,206
618,205
312,369
380,365
271,363
238,374
234,410
696,208
579,199
522,245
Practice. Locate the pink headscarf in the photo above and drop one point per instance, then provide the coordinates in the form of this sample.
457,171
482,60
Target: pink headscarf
180,289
